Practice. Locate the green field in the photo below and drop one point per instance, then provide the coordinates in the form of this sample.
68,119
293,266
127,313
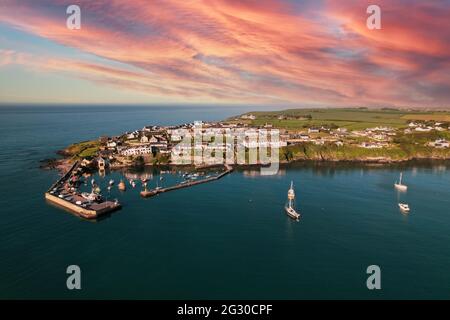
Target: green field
85,149
350,118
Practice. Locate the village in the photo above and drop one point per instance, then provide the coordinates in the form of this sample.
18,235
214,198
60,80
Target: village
159,144
235,141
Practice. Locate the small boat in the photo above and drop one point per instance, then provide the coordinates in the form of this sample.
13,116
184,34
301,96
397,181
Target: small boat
111,182
133,184
289,208
399,186
90,196
122,186
404,207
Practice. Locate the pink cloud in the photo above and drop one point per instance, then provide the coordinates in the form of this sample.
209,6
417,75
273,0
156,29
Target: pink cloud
269,51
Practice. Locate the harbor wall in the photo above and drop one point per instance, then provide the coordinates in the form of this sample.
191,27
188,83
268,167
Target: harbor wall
85,213
151,193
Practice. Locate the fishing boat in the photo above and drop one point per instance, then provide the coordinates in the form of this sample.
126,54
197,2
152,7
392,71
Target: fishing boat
289,208
404,207
122,186
399,186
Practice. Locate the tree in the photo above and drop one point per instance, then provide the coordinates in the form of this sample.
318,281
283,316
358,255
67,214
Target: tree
288,155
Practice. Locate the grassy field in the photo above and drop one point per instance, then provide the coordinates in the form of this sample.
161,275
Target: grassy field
428,117
350,118
83,149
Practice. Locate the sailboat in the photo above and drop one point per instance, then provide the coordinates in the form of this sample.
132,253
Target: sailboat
289,208
399,186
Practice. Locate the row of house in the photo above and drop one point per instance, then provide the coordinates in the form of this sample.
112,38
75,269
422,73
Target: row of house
439,143
422,127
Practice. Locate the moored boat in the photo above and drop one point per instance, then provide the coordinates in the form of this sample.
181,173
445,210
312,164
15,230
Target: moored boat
399,185
122,186
289,208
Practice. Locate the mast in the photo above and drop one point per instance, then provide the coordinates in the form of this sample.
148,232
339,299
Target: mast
291,194
401,174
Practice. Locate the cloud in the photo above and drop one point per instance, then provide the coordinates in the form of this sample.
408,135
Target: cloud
268,51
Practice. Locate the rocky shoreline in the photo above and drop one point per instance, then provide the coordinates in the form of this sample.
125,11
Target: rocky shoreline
63,164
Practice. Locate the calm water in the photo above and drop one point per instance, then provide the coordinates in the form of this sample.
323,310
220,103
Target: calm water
226,239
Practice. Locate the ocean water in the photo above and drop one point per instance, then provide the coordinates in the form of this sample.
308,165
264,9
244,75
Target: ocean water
225,239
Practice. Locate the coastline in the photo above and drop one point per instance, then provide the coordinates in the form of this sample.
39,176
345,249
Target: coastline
304,135
62,165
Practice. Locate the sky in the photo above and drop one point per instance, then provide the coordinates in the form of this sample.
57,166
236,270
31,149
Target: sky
267,52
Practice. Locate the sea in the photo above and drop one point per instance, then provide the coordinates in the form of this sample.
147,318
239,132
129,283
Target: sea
227,239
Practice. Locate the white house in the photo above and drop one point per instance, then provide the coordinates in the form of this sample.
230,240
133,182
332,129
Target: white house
141,150
423,129
131,136
111,144
370,145
248,117
440,143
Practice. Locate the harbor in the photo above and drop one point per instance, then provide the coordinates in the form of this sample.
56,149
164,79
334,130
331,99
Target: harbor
64,193
185,184
67,193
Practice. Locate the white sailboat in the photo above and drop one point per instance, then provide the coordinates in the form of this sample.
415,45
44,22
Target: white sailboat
289,208
399,186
